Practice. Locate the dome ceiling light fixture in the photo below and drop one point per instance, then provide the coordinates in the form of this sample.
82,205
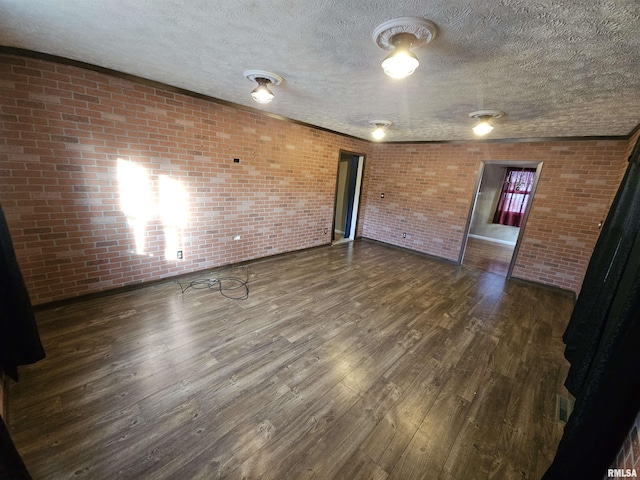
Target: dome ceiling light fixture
261,93
401,36
379,132
485,116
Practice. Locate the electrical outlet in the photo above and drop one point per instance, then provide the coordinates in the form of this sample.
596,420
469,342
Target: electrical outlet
179,254
326,230
404,235
237,237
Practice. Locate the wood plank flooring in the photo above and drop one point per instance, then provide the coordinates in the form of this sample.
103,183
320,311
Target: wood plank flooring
347,362
486,255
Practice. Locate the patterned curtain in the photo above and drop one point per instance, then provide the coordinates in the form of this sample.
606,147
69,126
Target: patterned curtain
516,190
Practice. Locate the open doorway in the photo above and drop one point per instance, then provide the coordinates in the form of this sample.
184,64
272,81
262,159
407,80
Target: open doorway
349,180
501,203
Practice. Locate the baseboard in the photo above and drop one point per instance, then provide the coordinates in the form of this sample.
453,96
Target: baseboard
410,250
493,240
567,293
137,286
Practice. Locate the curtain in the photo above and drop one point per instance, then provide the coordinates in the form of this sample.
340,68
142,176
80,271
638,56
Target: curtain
603,343
351,192
19,339
11,465
516,190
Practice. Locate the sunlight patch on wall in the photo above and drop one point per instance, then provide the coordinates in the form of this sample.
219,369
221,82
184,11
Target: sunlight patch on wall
135,200
172,209
143,204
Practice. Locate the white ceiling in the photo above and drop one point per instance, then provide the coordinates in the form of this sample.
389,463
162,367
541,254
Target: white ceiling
557,68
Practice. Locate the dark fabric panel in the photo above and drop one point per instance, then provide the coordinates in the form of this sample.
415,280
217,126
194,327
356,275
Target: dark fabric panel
351,190
19,340
610,399
603,276
603,343
11,465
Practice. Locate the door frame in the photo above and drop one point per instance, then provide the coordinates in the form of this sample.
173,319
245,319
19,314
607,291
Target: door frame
505,163
356,195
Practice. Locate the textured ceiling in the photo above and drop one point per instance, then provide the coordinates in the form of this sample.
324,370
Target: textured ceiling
557,68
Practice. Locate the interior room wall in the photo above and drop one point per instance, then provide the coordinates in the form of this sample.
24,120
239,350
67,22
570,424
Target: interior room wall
85,157
67,132
486,203
429,188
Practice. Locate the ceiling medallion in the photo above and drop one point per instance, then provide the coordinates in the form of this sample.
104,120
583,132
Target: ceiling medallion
380,131
485,116
261,93
402,36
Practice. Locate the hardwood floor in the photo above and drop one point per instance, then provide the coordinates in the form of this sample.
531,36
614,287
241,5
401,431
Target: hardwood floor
486,255
348,362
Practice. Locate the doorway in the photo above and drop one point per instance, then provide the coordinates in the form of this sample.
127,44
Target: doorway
349,180
492,237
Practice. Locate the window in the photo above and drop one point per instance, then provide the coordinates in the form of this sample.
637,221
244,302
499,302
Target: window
516,190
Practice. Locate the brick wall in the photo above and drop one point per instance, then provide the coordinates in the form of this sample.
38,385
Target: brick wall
429,188
86,158
73,139
629,455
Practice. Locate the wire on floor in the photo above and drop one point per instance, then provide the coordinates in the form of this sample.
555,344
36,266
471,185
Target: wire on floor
223,283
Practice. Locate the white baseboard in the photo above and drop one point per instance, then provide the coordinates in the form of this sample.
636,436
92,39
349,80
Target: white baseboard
494,240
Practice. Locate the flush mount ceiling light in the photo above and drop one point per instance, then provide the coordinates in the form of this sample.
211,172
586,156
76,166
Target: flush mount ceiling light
261,93
485,116
379,132
401,35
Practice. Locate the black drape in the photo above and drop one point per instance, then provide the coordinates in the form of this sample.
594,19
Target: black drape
19,339
603,343
11,465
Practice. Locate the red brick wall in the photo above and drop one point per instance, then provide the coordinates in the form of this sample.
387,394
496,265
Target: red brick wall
632,143
65,128
629,455
429,188
66,132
